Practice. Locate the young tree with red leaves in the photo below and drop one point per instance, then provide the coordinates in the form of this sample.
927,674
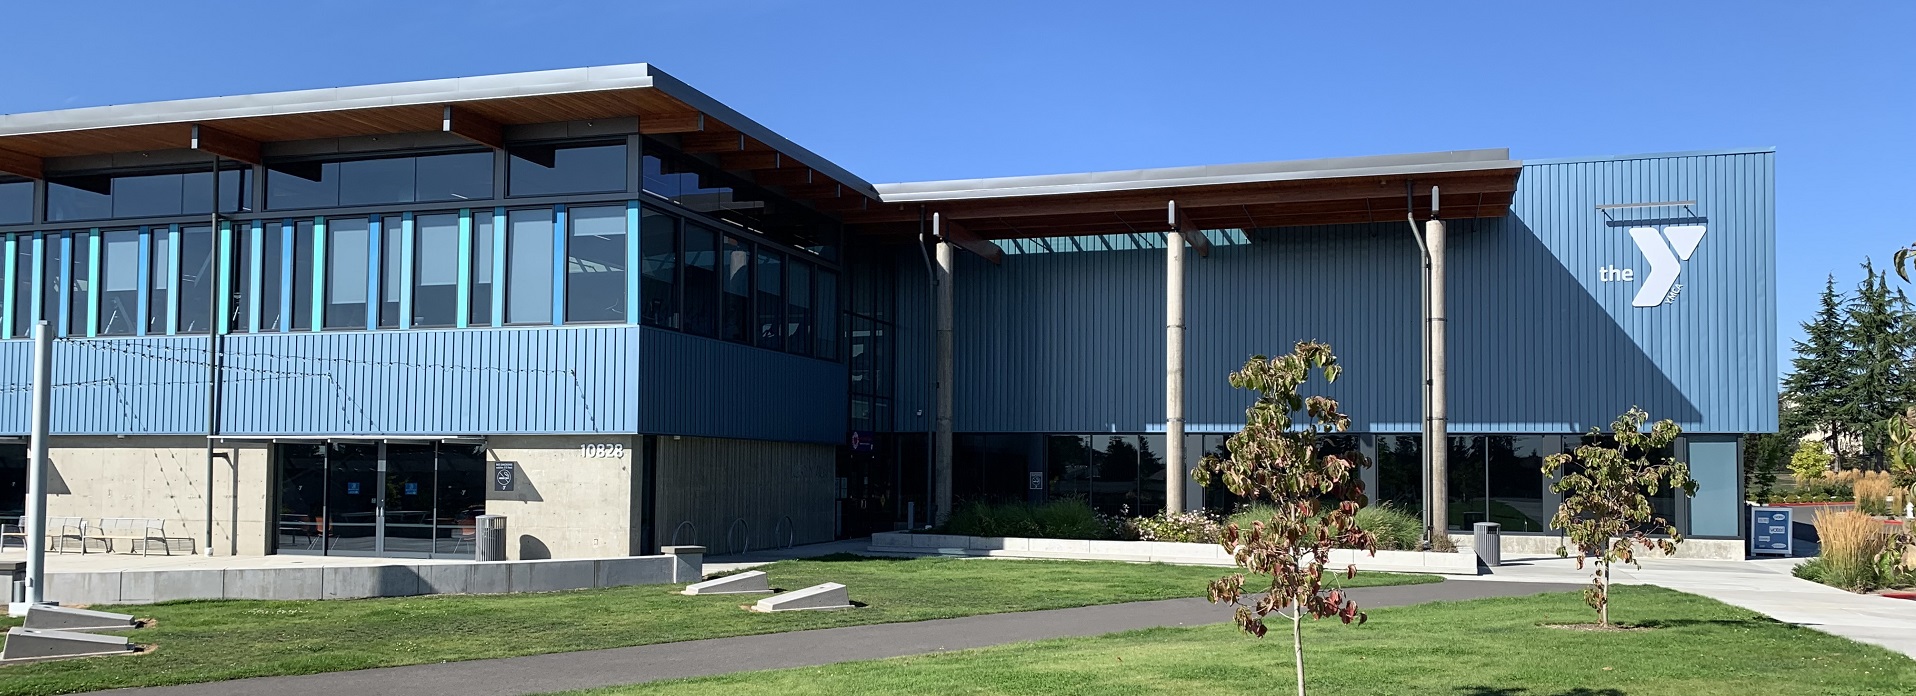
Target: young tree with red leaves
1606,511
1314,496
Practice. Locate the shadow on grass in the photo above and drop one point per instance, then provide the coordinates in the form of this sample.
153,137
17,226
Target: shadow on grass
1520,691
1752,622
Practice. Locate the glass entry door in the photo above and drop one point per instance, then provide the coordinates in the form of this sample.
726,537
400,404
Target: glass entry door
413,500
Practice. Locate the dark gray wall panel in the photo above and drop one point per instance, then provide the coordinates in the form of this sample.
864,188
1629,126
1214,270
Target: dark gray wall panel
711,388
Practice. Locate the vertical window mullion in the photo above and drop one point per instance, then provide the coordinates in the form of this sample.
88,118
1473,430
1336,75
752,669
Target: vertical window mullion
172,318
38,269
255,262
462,313
288,252
64,327
633,271
94,245
409,243
561,234
143,304
222,269
9,252
319,274
498,242
375,268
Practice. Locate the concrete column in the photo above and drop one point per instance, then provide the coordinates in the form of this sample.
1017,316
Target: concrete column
1438,448
1174,474
941,456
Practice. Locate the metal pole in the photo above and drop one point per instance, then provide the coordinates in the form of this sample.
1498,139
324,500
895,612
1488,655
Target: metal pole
215,308
1173,368
931,373
41,424
942,467
1423,358
1434,235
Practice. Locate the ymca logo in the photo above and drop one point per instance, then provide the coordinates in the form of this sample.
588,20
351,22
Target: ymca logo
1665,250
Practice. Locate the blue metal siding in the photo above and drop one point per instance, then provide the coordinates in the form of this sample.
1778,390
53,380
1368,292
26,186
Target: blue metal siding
1072,341
550,380
706,387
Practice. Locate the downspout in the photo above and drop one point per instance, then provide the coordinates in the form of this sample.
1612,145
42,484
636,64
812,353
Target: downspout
1423,358
931,362
216,307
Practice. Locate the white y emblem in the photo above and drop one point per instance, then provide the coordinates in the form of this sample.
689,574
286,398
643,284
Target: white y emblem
1665,259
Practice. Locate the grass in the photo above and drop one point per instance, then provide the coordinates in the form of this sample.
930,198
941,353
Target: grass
1490,647
219,640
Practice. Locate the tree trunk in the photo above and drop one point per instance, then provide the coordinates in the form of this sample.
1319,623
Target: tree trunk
1297,643
1603,596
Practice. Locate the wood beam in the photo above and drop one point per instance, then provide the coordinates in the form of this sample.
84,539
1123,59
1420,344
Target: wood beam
751,161
842,204
19,164
1204,197
1188,230
663,124
952,231
464,123
712,142
221,143
790,176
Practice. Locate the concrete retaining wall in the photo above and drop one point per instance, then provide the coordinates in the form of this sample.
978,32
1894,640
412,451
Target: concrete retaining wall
1463,562
1515,545
358,582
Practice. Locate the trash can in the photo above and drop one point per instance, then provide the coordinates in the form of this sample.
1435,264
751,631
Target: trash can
1489,544
15,575
489,538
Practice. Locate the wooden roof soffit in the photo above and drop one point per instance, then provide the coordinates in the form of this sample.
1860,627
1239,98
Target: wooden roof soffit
664,124
19,164
1187,229
951,231
464,123
220,143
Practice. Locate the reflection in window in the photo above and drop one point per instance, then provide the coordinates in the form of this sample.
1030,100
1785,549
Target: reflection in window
303,242
392,264
161,284
529,266
658,266
798,308
196,278
863,349
827,344
551,170
1068,466
22,265
1515,479
595,264
1400,472
701,277
16,202
55,270
482,241
120,283
1465,469
239,302
272,270
79,283
347,246
461,176
771,310
435,275
146,195
737,322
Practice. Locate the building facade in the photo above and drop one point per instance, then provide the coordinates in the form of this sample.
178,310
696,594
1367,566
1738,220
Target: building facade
622,315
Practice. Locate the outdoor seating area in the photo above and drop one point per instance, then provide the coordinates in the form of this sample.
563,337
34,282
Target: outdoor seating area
106,535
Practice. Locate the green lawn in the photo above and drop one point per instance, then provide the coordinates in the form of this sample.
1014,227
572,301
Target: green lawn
1489,647
211,641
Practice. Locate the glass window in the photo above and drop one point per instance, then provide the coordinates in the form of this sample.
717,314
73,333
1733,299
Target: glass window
595,264
482,239
146,195
465,176
392,259
658,268
798,308
701,278
529,266
196,278
1068,467
737,321
1515,476
239,302
16,202
461,176
302,185
864,351
1400,478
435,275
1114,474
54,266
1465,468
550,170
272,270
22,263
80,275
347,241
303,242
827,323
771,309
161,284
376,181
120,282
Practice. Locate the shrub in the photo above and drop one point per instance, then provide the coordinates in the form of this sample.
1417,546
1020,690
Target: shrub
1851,542
1810,462
1069,518
1394,529
1066,518
1874,494
1195,527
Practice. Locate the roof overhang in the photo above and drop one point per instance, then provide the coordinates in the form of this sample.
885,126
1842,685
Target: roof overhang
474,108
1472,183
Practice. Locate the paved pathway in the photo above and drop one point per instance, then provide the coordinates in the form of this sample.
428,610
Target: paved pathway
596,668
1764,586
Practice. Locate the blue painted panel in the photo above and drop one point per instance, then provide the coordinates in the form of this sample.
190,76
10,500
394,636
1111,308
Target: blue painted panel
710,388
1717,509
549,380
1067,336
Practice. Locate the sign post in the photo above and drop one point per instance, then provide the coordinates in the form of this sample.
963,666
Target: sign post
1770,531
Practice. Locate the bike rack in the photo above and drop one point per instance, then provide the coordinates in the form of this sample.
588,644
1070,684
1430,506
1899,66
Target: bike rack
791,531
680,528
743,532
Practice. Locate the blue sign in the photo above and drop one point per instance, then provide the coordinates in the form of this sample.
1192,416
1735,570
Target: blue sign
352,488
412,489
1770,531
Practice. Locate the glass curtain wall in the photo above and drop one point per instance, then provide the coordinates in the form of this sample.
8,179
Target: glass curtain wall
120,282
435,275
595,265
379,499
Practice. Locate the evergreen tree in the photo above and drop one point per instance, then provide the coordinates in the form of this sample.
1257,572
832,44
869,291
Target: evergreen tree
1822,374
1879,339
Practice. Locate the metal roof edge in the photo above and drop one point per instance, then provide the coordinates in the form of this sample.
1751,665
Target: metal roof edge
1204,175
1771,150
681,91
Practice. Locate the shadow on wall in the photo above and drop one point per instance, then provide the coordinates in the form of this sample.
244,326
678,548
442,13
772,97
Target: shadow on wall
532,549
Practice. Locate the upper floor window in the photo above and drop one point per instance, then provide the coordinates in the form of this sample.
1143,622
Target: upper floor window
100,197
16,202
546,170
463,176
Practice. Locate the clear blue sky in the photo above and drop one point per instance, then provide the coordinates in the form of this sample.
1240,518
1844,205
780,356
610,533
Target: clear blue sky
899,91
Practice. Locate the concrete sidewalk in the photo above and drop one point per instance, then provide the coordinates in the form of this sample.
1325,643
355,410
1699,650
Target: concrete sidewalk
599,668
1763,586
